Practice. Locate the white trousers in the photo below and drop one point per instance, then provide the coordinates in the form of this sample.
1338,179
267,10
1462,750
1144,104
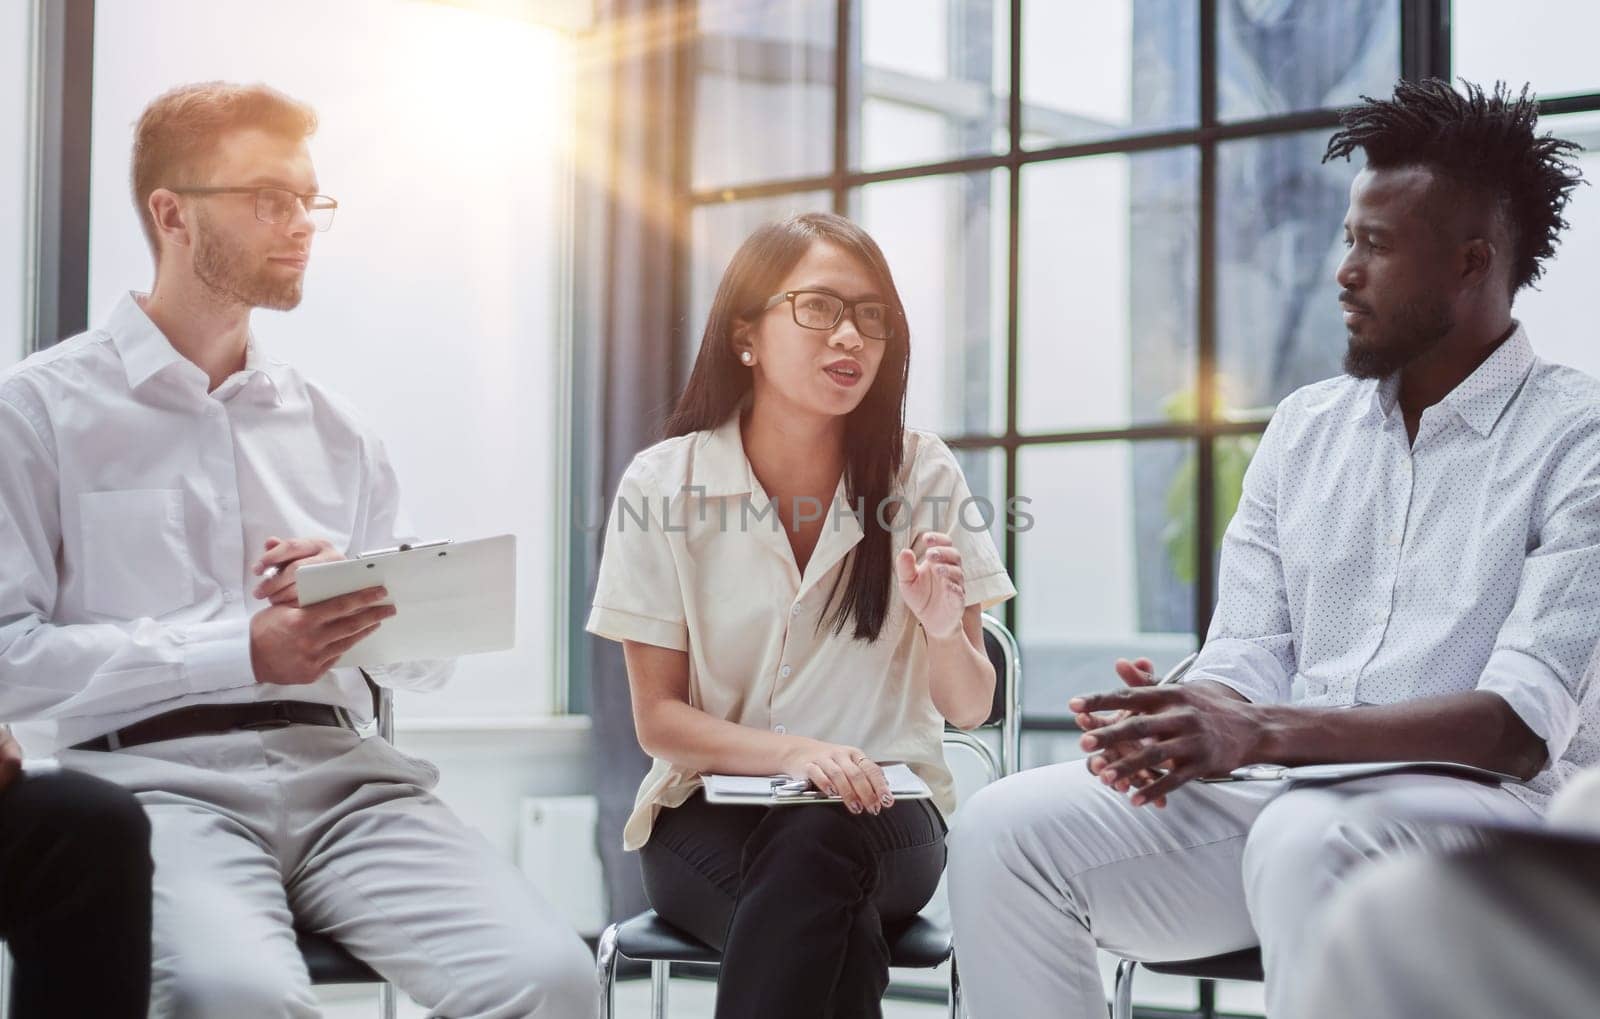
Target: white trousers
1050,864
255,833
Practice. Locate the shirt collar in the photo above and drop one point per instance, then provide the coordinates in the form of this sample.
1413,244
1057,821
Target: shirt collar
1481,397
146,351
720,466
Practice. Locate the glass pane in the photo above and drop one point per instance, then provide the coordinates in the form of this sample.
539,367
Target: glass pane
1114,67
985,471
1559,312
458,294
1107,569
14,85
715,233
1279,210
933,82
764,72
1547,43
945,239
1280,57
1107,291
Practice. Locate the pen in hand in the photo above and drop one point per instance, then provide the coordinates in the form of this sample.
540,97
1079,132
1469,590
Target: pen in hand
1178,671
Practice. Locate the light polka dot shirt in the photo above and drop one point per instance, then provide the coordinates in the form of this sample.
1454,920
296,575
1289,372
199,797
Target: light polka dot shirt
1363,569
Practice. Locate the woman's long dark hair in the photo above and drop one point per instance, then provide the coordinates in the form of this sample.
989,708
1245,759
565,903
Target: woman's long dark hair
874,438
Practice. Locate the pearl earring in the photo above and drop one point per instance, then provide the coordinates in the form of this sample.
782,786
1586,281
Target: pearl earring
747,357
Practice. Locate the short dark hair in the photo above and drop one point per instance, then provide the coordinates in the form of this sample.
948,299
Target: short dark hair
178,133
1482,141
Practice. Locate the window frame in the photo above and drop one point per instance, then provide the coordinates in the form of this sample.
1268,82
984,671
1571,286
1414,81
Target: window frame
1425,42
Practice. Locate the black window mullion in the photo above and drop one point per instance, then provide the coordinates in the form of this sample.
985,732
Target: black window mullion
1013,265
1205,329
844,44
1425,39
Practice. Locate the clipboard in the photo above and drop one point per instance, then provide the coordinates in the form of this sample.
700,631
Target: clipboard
1313,774
782,790
453,598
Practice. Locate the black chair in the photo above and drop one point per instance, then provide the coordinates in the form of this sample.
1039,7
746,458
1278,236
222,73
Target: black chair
921,944
1244,964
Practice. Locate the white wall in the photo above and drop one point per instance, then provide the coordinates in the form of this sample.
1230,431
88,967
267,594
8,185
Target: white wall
433,303
14,82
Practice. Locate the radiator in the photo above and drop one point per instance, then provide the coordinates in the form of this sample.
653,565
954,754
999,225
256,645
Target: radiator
556,850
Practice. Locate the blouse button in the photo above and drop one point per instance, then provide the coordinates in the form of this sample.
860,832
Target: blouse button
780,730
795,611
784,672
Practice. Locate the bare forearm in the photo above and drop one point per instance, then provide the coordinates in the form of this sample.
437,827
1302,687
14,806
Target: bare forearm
689,738
960,679
1476,728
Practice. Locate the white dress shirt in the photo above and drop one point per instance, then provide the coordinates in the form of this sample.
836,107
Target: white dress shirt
132,504
696,560
1362,569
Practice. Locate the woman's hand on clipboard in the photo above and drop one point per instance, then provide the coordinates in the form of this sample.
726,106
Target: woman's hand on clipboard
282,559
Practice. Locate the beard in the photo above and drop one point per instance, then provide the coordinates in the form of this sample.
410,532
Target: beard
1416,328
224,266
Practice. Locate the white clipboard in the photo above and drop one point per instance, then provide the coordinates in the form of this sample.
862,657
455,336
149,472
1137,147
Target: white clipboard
782,790
453,598
1318,774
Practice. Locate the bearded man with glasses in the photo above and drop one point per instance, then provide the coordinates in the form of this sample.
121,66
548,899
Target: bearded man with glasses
162,479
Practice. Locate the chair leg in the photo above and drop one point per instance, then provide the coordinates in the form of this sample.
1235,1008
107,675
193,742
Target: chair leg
955,990
5,981
1122,996
660,972
388,1002
605,967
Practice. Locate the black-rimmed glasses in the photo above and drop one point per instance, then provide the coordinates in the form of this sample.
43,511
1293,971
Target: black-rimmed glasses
276,205
820,309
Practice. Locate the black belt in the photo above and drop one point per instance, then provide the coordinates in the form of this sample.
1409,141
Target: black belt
209,719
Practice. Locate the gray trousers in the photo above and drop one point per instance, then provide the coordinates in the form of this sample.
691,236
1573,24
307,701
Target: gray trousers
1049,865
254,833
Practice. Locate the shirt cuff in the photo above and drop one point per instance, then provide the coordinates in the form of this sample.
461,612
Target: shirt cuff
1538,696
1243,667
989,591
614,624
216,655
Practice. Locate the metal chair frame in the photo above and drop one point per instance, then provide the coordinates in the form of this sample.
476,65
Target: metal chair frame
1008,675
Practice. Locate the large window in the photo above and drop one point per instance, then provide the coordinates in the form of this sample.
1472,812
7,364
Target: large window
1115,238
16,74
432,305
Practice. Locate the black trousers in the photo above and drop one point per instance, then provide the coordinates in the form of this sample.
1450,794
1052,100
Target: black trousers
75,897
797,898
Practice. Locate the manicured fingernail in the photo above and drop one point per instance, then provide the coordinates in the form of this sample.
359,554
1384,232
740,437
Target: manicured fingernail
1090,742
888,800
1111,774
1076,704
1138,799
854,809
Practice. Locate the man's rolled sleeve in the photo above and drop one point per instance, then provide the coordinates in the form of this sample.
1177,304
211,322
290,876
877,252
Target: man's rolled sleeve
637,596
1537,694
1251,648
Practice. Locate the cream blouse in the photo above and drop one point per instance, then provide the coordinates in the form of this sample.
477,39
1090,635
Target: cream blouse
696,560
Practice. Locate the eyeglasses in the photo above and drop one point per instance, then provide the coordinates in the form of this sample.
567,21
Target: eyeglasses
276,205
819,309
